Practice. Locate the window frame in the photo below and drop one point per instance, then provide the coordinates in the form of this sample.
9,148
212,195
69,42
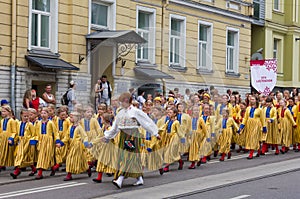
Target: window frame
279,7
257,2
151,32
236,52
279,53
111,14
209,46
182,47
53,27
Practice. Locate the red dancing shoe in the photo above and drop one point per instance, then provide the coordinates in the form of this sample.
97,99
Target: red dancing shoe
166,169
222,157
180,167
192,166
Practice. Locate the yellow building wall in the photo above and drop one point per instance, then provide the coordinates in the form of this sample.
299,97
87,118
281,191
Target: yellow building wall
126,19
72,28
5,36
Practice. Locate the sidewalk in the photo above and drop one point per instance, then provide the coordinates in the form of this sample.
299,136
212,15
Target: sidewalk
197,185
5,177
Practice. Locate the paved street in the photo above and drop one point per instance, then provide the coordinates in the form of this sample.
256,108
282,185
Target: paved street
276,187
266,175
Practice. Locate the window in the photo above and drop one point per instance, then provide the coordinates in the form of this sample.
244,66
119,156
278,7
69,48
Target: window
177,41
103,14
277,49
40,23
295,11
146,29
43,24
233,5
276,5
205,46
256,7
232,50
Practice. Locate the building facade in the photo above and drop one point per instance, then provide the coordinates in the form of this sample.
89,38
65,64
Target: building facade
197,43
143,44
278,33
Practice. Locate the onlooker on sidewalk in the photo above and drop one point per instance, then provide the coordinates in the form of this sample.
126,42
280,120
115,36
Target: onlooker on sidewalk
71,96
105,90
37,101
47,96
141,100
97,92
132,92
27,99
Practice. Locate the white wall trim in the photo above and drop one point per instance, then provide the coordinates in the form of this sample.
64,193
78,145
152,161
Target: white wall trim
209,66
53,23
236,66
212,10
183,19
111,24
152,27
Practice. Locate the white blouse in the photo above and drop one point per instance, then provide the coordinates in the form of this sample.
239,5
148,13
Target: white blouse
129,119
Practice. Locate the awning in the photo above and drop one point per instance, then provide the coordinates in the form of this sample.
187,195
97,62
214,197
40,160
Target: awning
118,36
113,37
152,73
50,63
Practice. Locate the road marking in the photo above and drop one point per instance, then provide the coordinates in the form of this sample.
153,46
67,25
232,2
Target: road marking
40,189
240,197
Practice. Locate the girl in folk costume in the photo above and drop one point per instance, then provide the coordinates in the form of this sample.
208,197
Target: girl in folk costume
102,108
62,123
214,136
79,109
292,108
92,129
155,148
77,141
206,145
185,124
272,136
226,125
127,123
161,123
106,154
198,133
297,130
206,100
253,125
146,139
286,124
51,109
8,127
46,136
235,110
174,136
33,119
240,138
25,132
225,104
32,116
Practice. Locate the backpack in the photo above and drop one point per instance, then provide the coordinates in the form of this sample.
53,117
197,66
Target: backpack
64,99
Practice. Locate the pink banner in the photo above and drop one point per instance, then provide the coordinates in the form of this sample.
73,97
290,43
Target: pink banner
264,75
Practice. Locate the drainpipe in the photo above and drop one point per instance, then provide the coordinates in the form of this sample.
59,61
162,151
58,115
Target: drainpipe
13,54
162,45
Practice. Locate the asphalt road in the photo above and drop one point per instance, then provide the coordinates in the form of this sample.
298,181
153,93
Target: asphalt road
83,187
277,187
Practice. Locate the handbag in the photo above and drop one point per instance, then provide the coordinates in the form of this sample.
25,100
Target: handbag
129,145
